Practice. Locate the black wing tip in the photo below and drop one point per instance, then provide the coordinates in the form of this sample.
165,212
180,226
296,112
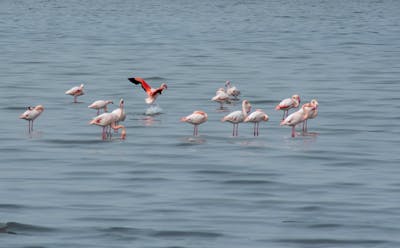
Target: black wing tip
133,80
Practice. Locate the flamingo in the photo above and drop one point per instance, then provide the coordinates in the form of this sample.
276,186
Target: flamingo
287,104
196,118
222,97
100,104
313,105
120,112
232,90
108,119
75,91
256,117
296,118
238,116
31,114
152,93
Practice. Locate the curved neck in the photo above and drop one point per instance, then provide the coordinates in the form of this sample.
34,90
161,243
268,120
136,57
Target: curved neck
116,127
244,110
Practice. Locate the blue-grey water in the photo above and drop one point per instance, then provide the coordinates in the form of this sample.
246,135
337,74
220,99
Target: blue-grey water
63,186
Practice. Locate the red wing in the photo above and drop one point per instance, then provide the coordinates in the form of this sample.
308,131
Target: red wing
138,80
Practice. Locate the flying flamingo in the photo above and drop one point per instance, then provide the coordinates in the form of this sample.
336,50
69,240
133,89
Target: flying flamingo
222,97
196,118
152,93
232,90
120,112
108,119
313,105
256,117
296,118
75,91
238,116
100,104
287,104
31,114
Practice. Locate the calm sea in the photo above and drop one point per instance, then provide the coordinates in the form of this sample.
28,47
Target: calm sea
63,186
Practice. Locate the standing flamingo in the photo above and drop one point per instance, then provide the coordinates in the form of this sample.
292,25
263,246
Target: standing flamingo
238,116
256,117
152,93
100,104
75,91
287,104
196,118
222,97
108,119
313,106
31,114
120,112
232,90
296,118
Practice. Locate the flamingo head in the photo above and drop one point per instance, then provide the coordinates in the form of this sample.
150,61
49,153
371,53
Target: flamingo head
296,98
314,102
246,106
109,101
164,86
121,102
227,83
123,133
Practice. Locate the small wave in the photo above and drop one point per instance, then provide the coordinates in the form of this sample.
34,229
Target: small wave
155,78
73,142
247,182
198,234
21,108
17,228
11,206
328,241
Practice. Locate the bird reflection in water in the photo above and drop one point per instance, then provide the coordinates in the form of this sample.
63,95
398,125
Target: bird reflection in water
149,120
196,140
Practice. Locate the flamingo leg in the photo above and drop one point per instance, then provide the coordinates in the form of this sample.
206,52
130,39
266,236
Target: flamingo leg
115,130
236,129
29,126
293,131
75,99
257,126
98,111
103,134
305,126
109,131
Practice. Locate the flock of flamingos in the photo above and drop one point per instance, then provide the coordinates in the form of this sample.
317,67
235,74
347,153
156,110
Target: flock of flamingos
111,120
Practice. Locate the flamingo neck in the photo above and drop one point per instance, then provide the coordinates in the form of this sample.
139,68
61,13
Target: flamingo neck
116,127
245,111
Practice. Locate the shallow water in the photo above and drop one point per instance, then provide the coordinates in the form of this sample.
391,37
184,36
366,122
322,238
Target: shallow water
335,187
